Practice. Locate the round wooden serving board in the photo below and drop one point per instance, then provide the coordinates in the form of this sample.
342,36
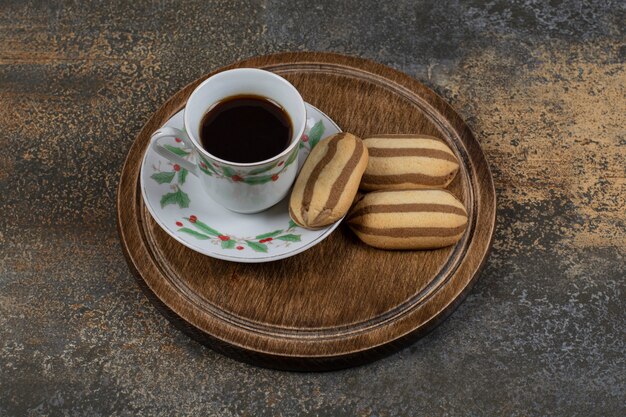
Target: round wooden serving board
340,303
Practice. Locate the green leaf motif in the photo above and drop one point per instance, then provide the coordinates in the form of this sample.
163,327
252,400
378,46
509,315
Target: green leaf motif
289,238
228,171
209,173
193,233
292,224
262,170
179,197
204,227
292,158
257,247
316,132
270,234
182,175
163,177
175,150
257,180
209,166
228,244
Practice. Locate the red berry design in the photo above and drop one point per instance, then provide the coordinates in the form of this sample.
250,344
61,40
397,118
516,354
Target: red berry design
274,177
192,218
305,138
178,140
215,165
280,163
239,247
236,178
176,167
224,238
269,239
179,224
203,165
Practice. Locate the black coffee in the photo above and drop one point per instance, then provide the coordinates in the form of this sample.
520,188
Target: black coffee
245,129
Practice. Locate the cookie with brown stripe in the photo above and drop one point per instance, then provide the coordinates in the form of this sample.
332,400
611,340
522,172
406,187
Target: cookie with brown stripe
328,181
400,162
408,219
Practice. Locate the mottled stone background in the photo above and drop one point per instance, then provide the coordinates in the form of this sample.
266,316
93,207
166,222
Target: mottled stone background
541,83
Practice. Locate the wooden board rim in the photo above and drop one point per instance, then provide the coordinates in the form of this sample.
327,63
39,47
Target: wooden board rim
267,358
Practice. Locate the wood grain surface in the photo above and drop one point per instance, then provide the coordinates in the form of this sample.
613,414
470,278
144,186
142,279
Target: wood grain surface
340,303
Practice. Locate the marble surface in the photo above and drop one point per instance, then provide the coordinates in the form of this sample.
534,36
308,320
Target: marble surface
542,84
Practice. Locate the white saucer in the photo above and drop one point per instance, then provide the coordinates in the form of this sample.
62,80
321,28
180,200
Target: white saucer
180,206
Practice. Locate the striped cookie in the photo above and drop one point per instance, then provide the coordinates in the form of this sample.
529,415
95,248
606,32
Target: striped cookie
328,182
408,219
401,162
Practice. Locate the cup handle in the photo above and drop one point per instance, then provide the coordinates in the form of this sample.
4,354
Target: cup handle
171,132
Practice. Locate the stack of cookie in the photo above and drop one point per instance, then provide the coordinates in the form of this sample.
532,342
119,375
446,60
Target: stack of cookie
406,205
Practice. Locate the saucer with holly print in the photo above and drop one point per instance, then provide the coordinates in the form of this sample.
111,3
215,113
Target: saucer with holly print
179,205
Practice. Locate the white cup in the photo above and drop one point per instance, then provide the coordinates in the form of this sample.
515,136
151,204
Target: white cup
241,187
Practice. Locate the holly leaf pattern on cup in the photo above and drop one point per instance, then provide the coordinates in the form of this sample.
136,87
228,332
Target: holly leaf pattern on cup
261,179
262,170
228,171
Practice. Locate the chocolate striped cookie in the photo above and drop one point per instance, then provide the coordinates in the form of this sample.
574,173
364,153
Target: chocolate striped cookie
328,182
401,162
408,219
